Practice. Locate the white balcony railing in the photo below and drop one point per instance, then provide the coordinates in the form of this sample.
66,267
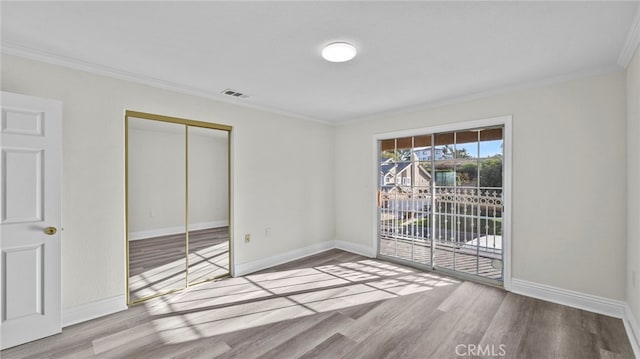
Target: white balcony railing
467,219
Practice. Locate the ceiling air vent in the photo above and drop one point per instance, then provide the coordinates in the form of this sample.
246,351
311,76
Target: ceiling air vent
234,93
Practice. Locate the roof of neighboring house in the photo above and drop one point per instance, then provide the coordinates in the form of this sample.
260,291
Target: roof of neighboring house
386,168
425,172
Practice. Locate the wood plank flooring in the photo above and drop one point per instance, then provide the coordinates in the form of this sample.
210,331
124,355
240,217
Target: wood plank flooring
339,305
157,265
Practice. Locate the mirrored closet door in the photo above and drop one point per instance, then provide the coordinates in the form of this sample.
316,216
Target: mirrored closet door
177,188
208,178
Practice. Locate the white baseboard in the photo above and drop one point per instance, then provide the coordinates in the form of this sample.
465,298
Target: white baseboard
92,310
166,231
354,248
633,330
591,303
264,263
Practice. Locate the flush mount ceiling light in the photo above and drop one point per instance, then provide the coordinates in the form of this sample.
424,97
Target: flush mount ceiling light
339,52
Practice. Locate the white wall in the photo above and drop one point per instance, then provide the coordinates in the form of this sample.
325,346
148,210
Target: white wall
569,183
266,147
157,178
569,175
633,182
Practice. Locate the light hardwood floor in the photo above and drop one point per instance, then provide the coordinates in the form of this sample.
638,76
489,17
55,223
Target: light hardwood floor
339,305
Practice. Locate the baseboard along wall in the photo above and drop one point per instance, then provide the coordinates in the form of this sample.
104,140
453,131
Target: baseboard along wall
92,310
591,303
264,263
633,330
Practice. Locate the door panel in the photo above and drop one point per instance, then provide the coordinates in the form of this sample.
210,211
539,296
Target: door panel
21,122
30,294
25,300
22,185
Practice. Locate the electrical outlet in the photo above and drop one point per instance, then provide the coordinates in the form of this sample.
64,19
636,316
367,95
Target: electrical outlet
267,231
247,238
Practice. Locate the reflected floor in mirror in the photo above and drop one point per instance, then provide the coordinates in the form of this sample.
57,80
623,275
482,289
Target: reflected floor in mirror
157,265
338,305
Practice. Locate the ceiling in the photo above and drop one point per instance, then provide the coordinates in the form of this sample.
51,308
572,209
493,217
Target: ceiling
409,53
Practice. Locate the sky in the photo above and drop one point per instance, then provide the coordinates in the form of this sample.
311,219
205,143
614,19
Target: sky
487,148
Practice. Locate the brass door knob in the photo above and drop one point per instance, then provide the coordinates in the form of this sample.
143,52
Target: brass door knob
50,231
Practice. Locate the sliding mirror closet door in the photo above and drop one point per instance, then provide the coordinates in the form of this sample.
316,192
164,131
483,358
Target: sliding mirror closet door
156,214
208,193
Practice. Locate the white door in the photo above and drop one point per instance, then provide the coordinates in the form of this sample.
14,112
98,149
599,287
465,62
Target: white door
30,294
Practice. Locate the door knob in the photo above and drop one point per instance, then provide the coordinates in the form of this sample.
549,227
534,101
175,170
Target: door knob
50,231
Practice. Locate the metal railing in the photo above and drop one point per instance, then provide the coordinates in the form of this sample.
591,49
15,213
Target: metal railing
465,219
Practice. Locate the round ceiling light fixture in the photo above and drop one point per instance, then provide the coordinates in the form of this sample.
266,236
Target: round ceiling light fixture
339,52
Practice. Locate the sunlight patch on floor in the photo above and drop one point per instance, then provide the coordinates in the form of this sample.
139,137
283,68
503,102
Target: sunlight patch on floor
234,304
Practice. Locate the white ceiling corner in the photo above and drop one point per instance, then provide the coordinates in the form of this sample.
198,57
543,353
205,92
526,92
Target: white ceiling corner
632,41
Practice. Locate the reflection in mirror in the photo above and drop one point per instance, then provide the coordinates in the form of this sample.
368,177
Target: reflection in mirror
208,204
156,207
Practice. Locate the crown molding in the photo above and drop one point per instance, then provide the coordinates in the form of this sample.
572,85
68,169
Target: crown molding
453,100
631,42
102,70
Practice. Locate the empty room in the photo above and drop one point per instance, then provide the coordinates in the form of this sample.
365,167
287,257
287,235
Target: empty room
320,179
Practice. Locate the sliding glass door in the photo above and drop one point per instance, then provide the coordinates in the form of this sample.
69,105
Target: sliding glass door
440,201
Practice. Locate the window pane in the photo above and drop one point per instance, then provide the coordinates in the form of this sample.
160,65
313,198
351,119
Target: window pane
387,150
466,157
422,141
444,174
422,148
388,175
403,148
403,173
491,147
444,144
422,174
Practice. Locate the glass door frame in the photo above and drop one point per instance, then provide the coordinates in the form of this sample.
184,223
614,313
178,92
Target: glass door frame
187,123
506,123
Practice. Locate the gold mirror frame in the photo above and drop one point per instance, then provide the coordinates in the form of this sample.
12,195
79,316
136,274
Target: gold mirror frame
187,123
